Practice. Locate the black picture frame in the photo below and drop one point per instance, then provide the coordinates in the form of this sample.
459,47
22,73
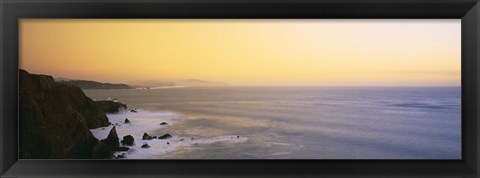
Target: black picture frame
466,10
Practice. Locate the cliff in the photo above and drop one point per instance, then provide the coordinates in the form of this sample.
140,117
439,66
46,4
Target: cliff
85,84
55,119
110,106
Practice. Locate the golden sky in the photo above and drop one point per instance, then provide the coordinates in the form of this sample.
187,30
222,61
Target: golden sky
246,52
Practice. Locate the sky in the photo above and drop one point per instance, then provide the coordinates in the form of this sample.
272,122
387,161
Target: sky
313,52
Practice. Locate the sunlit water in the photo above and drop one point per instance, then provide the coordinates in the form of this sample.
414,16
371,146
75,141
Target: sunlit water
301,122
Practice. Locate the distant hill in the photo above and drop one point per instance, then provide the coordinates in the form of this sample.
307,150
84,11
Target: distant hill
86,84
152,83
176,83
196,82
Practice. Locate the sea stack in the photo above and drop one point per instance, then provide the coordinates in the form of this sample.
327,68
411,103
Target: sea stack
146,137
128,140
112,139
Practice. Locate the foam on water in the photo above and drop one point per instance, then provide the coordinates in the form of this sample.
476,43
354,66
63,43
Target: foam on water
144,121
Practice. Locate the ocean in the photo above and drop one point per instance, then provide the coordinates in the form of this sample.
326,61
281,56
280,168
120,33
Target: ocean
291,122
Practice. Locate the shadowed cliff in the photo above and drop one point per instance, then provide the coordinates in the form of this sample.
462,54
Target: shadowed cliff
55,119
110,106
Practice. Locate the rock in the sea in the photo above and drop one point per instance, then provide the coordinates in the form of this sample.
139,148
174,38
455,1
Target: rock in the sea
145,145
154,136
163,123
121,148
127,121
146,137
128,140
55,119
133,110
112,139
165,136
121,156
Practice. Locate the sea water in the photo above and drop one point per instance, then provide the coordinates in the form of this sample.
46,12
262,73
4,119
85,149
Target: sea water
291,122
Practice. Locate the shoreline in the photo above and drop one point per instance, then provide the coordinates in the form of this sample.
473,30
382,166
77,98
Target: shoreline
149,122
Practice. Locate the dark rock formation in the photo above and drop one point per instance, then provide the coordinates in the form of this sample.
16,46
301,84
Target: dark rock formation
127,121
110,106
145,145
121,156
163,123
146,137
86,84
112,139
100,151
121,148
128,140
55,120
134,111
165,136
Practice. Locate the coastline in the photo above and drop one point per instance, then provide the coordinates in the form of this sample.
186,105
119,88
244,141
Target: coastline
149,122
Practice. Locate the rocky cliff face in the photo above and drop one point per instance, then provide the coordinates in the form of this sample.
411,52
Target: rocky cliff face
55,120
110,106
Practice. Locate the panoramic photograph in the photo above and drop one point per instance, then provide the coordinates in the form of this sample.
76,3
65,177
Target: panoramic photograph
240,89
